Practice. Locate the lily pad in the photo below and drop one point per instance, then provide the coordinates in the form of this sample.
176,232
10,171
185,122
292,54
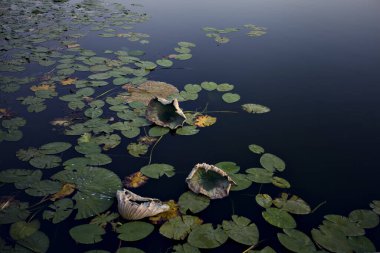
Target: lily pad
37,242
193,202
187,130
279,218
45,161
185,248
230,97
209,86
137,149
21,229
296,241
206,237
179,227
165,63
129,250
134,231
255,108
256,149
259,175
364,218
156,170
87,233
62,210
241,230
96,189
264,200
158,131
272,162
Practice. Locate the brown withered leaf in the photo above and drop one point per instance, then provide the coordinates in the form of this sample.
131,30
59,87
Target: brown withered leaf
170,214
68,81
134,180
147,140
66,190
43,86
73,45
204,121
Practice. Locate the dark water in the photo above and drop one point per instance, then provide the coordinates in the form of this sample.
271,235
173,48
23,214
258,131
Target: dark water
317,68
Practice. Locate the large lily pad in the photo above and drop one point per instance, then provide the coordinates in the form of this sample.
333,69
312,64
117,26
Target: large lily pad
193,202
279,218
272,162
96,189
241,230
206,237
21,229
149,90
87,233
134,231
179,227
296,241
364,218
156,170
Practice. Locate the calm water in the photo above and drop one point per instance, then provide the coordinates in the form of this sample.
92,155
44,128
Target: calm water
317,68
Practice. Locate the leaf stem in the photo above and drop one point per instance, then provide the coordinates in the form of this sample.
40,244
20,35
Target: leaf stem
151,151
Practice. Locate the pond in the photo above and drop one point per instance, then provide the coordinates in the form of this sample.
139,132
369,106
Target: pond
249,126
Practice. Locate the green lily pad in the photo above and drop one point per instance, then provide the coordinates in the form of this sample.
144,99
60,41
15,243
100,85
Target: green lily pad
241,180
192,88
43,188
165,63
45,161
185,248
179,227
37,242
255,108
225,87
96,189
206,237
228,167
156,170
296,241
186,44
187,130
210,86
256,149
375,205
280,182
294,205
193,202
183,57
230,97
264,200
343,224
137,149
267,249
54,148
364,218
87,148
279,218
158,131
241,230
272,162
134,231
87,233
259,175
21,229
16,211
62,210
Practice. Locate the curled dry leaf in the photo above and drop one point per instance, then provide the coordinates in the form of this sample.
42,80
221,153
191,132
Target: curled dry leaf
209,180
66,190
165,113
134,207
134,180
204,121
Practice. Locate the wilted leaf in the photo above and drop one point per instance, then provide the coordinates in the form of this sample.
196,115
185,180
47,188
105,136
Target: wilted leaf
134,180
68,81
255,108
66,190
204,121
170,214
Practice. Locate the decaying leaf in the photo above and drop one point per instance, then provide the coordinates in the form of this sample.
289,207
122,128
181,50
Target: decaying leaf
165,113
66,190
204,121
209,180
134,180
170,214
50,87
6,201
146,91
61,122
76,45
147,140
5,113
68,81
134,207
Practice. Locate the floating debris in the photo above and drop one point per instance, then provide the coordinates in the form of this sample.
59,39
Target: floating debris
134,207
209,180
165,113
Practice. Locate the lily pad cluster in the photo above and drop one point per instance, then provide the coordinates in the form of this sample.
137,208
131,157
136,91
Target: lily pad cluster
219,35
